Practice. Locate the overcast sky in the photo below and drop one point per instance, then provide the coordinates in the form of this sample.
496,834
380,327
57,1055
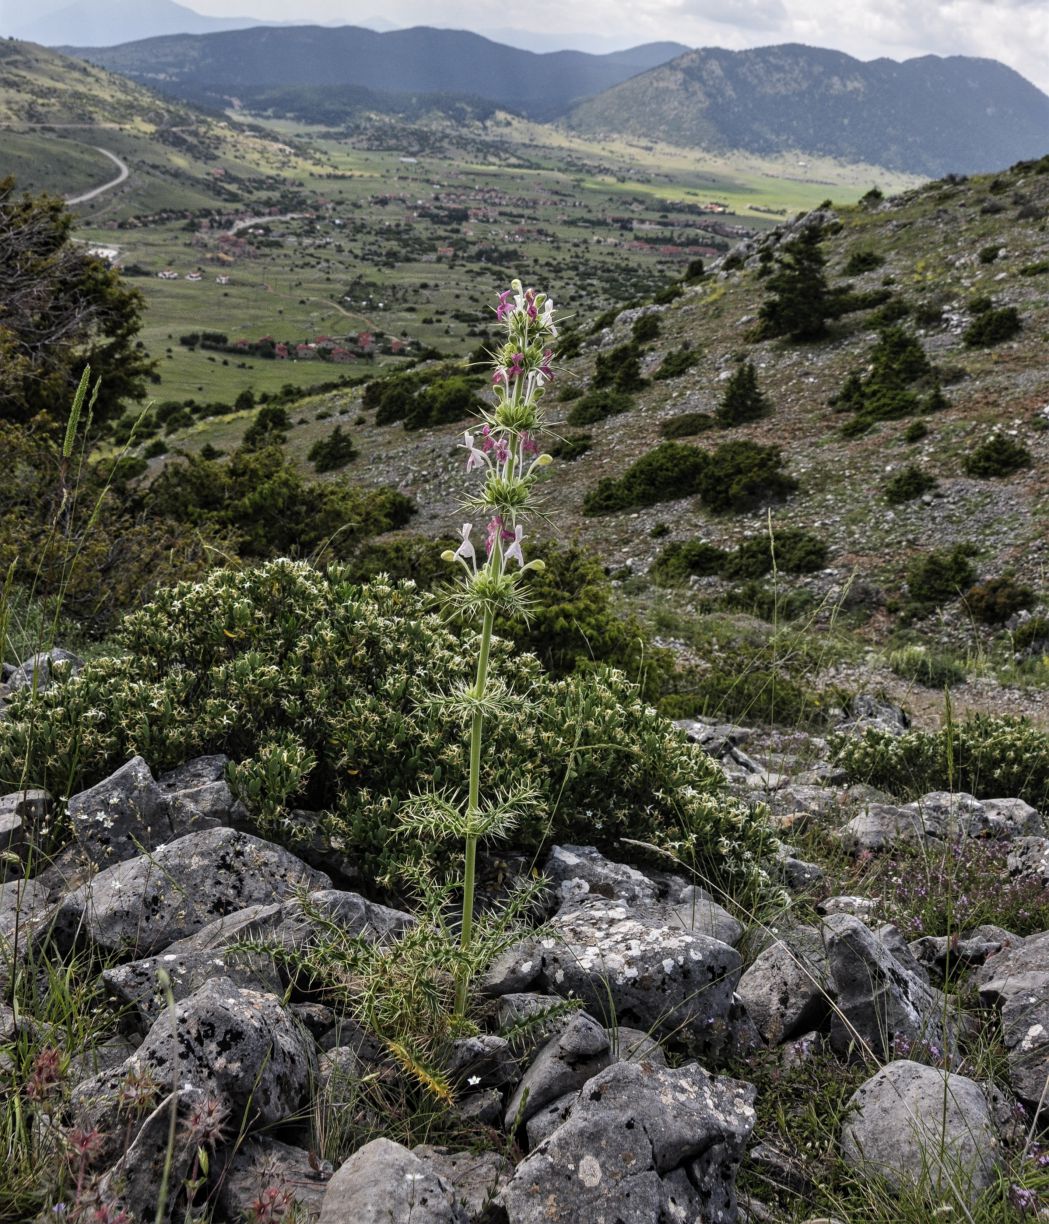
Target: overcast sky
1013,31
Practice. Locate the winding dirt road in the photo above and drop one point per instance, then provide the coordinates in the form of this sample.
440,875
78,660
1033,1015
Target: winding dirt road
97,191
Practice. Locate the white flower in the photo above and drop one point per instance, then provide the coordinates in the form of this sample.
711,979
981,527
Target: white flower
474,1080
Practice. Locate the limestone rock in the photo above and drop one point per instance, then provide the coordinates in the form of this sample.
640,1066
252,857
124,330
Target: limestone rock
636,1138
916,1126
385,1183
563,1065
878,998
265,1167
141,906
37,670
786,990
652,973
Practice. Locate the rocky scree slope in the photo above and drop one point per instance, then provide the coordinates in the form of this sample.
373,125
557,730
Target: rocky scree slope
166,875
934,256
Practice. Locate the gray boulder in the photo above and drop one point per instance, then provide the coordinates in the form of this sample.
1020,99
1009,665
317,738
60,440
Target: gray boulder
645,967
1029,856
385,1183
916,1126
563,1065
140,907
239,1046
138,985
134,1179
695,910
21,814
264,1168
37,669
1026,959
941,955
1013,818
640,1144
878,999
786,990
120,817
865,712
199,797
23,903
1023,1000
475,1177
581,871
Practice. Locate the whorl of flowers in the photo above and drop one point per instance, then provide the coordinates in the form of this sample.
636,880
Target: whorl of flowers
506,449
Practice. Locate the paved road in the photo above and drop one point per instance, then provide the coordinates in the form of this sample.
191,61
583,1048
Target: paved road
97,191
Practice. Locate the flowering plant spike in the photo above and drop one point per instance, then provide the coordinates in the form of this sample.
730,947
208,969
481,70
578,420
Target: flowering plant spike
506,452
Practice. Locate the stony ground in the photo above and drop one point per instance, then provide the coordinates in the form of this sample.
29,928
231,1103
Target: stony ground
649,1055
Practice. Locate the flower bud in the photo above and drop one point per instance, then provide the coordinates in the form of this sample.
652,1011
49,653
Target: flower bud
544,460
448,555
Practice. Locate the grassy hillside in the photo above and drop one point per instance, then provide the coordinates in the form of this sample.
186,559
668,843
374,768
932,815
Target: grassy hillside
934,253
55,111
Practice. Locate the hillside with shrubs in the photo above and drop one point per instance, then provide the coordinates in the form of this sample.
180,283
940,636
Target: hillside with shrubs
608,779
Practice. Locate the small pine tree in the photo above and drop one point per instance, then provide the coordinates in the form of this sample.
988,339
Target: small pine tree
269,428
799,300
743,399
333,452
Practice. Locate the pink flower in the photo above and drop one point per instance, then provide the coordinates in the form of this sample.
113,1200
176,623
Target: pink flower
496,531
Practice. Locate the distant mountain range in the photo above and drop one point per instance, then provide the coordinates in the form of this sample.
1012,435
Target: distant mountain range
422,60
100,23
923,116
929,115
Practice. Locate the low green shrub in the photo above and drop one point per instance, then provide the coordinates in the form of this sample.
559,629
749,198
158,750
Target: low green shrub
262,501
676,362
992,602
899,382
620,368
670,471
742,475
938,577
1040,268
598,405
684,559
989,756
269,428
862,261
908,483
1032,636
915,431
928,667
743,400
287,659
989,254
436,395
992,327
646,328
570,447
1000,455
734,477
330,453
791,551
687,424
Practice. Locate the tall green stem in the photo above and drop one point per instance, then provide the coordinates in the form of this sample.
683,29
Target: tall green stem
473,808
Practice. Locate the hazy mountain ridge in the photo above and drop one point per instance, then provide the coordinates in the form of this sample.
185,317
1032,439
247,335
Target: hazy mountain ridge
103,22
419,60
928,115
